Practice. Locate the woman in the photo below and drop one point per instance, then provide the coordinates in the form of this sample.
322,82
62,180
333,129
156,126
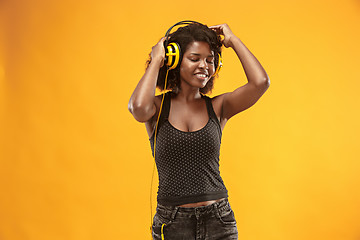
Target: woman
192,198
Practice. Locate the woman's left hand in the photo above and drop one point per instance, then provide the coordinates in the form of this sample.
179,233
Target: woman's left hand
224,29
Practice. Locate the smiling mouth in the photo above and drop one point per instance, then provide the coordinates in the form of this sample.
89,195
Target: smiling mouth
201,76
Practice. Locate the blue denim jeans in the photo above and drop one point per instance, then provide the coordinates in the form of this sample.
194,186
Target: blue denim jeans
215,221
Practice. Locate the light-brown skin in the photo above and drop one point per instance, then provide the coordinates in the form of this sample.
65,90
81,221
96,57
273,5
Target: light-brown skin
187,103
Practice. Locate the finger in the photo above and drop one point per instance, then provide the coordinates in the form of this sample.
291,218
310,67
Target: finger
215,26
216,30
161,41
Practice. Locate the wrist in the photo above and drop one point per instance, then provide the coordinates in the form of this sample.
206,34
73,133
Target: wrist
232,40
157,61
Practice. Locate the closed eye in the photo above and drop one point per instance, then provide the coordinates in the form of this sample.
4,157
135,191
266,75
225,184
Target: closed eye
208,61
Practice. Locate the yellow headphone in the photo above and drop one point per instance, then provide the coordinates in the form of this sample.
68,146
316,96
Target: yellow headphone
173,50
172,59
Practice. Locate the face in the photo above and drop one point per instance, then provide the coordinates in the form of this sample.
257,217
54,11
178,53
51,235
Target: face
197,65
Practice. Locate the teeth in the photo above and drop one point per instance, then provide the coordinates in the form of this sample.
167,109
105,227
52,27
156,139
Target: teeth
201,75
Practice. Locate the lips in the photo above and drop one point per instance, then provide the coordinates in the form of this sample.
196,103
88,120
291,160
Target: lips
201,75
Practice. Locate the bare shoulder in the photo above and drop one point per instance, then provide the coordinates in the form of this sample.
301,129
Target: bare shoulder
217,103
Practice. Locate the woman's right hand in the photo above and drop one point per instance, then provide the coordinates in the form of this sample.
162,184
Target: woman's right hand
158,52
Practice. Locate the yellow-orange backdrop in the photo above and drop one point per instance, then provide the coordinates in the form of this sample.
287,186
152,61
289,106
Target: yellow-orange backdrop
75,165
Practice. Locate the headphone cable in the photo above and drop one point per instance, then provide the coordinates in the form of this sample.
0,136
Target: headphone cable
152,177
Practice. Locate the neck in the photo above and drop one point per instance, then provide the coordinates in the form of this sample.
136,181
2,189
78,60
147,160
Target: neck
188,94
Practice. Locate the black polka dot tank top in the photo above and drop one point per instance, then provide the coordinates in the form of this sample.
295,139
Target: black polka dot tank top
188,162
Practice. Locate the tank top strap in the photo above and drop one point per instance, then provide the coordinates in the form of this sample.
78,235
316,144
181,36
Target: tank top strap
209,107
165,108
211,112
164,115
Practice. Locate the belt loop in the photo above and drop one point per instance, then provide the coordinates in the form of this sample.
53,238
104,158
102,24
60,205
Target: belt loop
174,211
217,204
216,210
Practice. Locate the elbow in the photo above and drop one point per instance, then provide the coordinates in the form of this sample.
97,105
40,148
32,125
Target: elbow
130,107
264,83
267,83
141,112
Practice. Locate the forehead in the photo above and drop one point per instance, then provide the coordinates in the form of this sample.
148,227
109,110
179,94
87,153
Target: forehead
199,47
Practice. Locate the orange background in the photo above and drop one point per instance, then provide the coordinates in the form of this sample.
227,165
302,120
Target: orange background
76,165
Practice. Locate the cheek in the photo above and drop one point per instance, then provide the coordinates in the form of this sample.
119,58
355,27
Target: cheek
183,73
212,69
185,70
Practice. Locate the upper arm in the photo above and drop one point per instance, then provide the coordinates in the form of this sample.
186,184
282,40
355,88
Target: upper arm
241,99
144,113
150,124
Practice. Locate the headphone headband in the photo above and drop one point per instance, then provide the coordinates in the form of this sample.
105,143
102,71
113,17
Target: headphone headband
176,24
173,51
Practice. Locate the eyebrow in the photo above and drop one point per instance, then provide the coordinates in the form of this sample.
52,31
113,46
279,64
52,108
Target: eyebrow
197,54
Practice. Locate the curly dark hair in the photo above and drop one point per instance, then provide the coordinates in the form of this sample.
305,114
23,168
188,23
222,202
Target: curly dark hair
184,36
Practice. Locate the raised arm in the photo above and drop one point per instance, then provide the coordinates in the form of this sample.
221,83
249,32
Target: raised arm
258,80
142,101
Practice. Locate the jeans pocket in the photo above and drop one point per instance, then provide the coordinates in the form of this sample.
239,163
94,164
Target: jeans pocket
160,222
160,218
227,217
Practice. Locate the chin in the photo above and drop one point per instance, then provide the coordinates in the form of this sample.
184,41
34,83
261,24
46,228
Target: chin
199,85
204,84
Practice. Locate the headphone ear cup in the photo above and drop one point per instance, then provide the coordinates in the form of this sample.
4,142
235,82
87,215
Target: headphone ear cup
172,55
219,64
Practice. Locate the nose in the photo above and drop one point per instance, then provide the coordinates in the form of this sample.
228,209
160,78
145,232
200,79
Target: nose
203,64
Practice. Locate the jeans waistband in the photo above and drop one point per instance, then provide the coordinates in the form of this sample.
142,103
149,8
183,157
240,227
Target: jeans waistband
171,211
